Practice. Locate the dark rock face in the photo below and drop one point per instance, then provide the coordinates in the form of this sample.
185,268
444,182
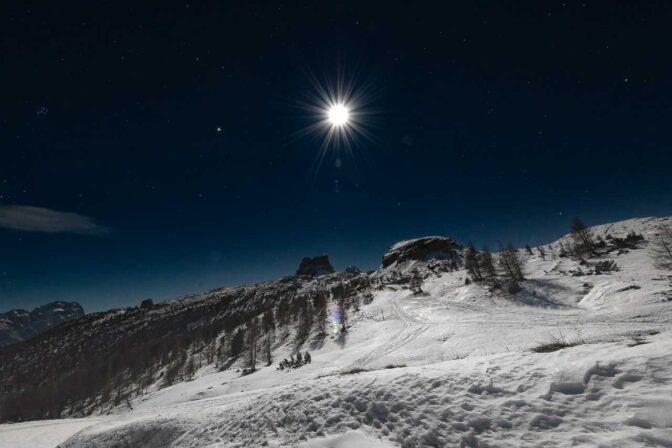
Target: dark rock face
316,266
19,325
147,304
425,249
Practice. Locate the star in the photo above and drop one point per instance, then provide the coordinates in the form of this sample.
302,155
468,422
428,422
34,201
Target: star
218,129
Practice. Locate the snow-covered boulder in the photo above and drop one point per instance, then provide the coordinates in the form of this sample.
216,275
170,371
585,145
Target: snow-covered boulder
423,249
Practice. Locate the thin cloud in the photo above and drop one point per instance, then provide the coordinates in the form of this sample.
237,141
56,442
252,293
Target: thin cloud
37,219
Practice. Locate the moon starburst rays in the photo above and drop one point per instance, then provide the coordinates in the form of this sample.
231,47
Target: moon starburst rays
340,116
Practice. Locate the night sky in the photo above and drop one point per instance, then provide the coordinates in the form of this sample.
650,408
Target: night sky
151,149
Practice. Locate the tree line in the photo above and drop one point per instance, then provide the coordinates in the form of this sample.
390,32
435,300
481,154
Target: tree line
109,368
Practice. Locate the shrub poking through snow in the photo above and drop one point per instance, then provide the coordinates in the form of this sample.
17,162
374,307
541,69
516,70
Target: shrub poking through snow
294,363
557,343
637,339
605,266
354,371
631,241
394,366
601,267
415,283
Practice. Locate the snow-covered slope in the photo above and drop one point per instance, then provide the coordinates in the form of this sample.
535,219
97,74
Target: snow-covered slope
453,366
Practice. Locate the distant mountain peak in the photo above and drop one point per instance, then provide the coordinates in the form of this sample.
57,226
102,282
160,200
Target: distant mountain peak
18,325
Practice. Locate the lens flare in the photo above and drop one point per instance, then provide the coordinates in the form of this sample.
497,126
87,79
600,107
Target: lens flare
336,319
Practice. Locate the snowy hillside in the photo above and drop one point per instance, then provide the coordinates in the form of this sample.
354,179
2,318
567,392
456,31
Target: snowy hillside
579,357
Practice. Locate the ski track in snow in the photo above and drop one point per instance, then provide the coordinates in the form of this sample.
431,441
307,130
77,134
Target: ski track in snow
411,328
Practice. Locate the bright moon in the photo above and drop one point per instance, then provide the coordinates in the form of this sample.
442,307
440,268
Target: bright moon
338,115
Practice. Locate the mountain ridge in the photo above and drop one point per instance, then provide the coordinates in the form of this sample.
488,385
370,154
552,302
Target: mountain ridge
17,325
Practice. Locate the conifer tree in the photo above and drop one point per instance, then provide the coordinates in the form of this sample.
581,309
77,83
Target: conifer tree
237,343
268,322
515,261
321,315
251,337
305,322
268,327
471,262
486,265
505,263
583,238
268,348
343,314
662,248
222,353
512,266
190,368
282,317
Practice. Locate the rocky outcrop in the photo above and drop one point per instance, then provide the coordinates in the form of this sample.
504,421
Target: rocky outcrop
316,266
19,325
352,269
425,249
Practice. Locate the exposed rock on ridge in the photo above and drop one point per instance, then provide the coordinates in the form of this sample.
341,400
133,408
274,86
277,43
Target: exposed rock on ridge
316,266
425,249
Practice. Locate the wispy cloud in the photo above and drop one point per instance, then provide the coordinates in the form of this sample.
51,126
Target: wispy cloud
38,219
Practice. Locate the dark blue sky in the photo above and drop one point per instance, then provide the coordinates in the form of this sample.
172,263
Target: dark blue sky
493,120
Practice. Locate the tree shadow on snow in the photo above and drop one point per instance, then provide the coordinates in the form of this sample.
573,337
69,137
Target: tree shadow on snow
341,338
317,343
534,298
